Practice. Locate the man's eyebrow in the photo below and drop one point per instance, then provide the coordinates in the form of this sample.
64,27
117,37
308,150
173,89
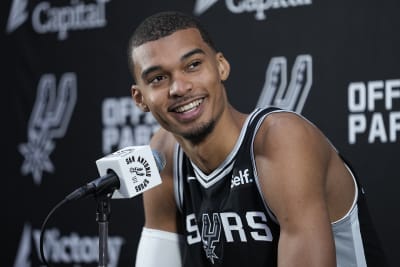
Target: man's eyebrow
149,70
191,53
183,57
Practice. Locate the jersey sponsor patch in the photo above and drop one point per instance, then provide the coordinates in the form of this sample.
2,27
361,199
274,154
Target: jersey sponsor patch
241,179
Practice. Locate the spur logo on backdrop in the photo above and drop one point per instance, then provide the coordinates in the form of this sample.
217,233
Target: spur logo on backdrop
49,119
374,115
287,92
46,18
257,6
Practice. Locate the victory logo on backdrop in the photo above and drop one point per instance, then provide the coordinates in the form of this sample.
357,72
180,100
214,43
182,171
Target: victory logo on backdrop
73,249
277,92
49,119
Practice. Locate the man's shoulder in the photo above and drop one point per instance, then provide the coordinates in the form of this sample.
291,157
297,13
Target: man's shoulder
285,128
281,121
164,142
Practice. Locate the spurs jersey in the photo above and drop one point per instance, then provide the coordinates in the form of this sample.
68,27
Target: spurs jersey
228,223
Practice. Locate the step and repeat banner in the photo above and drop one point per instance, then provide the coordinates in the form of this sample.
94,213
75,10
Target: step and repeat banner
66,103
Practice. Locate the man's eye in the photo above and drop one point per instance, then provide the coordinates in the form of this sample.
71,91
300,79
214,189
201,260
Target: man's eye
194,65
156,79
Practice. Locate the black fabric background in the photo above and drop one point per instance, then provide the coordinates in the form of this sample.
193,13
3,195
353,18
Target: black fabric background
348,41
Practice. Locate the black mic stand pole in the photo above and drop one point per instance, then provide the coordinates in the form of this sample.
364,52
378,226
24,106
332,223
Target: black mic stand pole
102,217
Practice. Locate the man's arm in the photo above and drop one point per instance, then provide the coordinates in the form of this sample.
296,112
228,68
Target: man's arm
292,161
160,243
159,202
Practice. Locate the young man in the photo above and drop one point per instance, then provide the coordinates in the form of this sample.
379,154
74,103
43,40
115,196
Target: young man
259,189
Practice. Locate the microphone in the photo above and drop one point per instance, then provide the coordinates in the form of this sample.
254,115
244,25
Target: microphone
124,173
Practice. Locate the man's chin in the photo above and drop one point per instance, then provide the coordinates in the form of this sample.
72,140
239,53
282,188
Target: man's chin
200,133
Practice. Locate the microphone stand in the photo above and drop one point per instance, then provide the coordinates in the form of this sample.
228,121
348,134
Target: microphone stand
102,217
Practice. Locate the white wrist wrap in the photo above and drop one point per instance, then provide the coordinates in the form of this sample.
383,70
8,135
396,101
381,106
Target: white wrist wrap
159,248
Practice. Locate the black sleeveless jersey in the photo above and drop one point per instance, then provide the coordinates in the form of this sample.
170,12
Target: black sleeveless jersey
227,222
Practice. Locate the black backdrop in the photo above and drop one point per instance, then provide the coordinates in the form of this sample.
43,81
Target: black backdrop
65,103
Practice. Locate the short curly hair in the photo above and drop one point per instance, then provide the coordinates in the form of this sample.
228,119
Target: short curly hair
163,24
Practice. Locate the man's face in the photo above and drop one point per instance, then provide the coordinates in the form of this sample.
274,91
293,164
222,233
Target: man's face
179,79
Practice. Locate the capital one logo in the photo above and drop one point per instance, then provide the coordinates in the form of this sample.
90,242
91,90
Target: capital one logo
46,18
257,6
287,92
49,120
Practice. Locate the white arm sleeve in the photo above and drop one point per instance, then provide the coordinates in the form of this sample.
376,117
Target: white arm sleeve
159,248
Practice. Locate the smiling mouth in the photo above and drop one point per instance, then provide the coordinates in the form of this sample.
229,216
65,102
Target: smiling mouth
189,107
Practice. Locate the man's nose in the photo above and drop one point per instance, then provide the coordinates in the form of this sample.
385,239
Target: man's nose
180,86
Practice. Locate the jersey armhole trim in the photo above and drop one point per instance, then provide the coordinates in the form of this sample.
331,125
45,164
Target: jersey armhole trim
177,177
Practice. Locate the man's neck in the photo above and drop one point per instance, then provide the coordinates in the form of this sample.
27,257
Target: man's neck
212,151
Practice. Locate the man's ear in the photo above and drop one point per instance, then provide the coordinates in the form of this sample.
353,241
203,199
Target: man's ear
138,98
223,67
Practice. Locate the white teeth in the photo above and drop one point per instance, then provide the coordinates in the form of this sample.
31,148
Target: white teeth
189,106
